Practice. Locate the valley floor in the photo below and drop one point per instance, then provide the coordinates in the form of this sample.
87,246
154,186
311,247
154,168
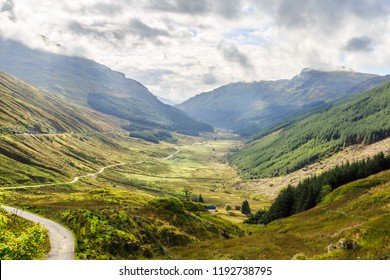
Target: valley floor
129,199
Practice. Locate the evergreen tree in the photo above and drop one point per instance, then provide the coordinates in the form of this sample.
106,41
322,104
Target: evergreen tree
283,204
308,193
200,198
245,208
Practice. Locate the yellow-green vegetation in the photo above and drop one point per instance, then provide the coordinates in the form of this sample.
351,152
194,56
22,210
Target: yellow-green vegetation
109,223
352,222
21,239
25,109
133,211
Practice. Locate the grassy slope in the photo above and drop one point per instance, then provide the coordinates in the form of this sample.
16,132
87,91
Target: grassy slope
24,107
93,85
119,207
364,118
248,108
118,214
358,211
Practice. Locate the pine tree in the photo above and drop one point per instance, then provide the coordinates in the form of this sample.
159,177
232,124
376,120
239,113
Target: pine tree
245,208
283,204
200,199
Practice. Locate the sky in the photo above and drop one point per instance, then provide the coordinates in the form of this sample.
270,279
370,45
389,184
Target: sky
180,48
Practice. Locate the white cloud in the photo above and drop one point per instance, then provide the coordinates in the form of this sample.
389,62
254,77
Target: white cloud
178,48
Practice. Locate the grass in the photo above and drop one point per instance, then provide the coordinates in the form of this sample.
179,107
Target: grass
139,208
119,208
360,119
358,211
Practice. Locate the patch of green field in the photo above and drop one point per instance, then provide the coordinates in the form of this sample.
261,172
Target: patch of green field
125,212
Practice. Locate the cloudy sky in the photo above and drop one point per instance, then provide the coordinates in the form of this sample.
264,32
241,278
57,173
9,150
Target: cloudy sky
178,48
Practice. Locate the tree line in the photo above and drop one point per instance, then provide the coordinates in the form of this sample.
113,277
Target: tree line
309,192
361,119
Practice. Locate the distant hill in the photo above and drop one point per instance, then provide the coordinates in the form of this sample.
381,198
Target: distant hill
363,118
88,83
249,108
24,109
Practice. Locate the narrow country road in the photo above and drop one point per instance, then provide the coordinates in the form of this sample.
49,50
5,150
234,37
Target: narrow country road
61,239
171,155
75,179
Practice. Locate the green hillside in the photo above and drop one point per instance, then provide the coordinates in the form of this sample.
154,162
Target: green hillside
352,222
250,108
24,108
51,152
143,116
90,84
360,119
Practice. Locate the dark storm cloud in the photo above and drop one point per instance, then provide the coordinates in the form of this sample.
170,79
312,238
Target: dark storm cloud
144,31
98,31
327,14
80,29
231,53
209,79
106,8
360,44
181,6
228,8
9,6
224,8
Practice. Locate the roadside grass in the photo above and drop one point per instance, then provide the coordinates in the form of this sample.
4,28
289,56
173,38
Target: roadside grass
139,211
21,239
114,215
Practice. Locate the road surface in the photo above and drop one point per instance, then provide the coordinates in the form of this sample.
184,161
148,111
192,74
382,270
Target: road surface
61,239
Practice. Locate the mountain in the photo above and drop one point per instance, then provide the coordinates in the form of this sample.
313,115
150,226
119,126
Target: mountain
24,108
363,118
248,108
90,84
369,84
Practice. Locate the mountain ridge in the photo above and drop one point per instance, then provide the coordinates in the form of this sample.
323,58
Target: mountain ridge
358,119
28,109
249,108
76,79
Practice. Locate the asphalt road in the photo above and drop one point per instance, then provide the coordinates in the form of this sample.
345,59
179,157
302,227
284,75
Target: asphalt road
61,239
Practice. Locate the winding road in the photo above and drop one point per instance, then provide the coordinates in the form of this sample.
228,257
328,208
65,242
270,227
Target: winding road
75,179
171,155
61,239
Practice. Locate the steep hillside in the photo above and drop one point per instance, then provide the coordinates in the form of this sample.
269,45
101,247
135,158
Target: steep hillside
352,222
88,83
24,108
363,118
249,108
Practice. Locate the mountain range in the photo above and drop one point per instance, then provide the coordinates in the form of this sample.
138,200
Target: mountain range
89,84
363,118
249,108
